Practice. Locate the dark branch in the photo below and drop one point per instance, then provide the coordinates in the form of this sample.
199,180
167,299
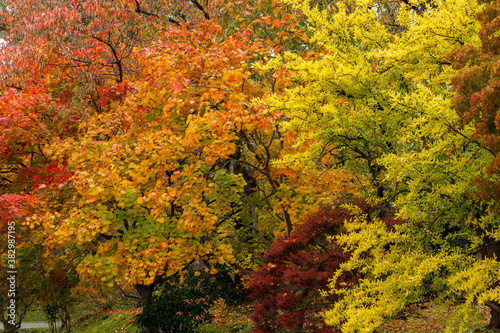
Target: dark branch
200,7
125,294
15,87
139,10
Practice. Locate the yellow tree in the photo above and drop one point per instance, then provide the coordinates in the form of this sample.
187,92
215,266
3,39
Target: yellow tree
377,102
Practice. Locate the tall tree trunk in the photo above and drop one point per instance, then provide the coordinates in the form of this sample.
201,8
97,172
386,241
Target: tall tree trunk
146,294
492,250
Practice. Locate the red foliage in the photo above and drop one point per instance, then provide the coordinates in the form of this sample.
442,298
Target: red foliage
29,120
478,91
286,286
14,207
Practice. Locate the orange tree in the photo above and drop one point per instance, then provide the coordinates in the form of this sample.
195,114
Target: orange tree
180,170
172,163
58,62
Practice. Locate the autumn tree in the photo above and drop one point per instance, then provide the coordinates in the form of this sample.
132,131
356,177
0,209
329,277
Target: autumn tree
58,59
296,268
377,102
477,103
86,44
169,161
31,181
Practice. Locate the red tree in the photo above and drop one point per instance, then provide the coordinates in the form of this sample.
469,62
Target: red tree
286,285
477,89
477,101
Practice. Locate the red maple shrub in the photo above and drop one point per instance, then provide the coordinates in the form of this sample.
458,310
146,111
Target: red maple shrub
286,285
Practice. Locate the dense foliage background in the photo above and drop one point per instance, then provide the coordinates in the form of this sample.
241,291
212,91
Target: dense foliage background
339,159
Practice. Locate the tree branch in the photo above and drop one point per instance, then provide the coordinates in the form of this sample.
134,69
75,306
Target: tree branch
200,7
125,294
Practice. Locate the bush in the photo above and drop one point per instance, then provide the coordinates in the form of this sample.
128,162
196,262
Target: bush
180,306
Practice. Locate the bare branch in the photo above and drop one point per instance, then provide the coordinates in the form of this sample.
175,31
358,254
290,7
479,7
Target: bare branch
125,294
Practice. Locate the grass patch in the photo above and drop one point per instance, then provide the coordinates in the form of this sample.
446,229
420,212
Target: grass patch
433,318
35,315
116,321
32,330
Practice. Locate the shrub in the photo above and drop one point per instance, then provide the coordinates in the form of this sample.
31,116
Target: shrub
180,306
286,286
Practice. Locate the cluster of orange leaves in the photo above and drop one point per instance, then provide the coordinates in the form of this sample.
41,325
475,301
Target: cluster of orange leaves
153,123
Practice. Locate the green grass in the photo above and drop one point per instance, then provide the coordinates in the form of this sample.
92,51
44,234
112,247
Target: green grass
116,321
34,330
35,315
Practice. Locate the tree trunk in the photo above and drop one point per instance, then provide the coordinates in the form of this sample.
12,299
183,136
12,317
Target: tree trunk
492,250
146,294
495,314
9,328
65,317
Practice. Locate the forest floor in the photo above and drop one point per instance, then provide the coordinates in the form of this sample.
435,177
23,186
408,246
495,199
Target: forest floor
426,318
432,318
